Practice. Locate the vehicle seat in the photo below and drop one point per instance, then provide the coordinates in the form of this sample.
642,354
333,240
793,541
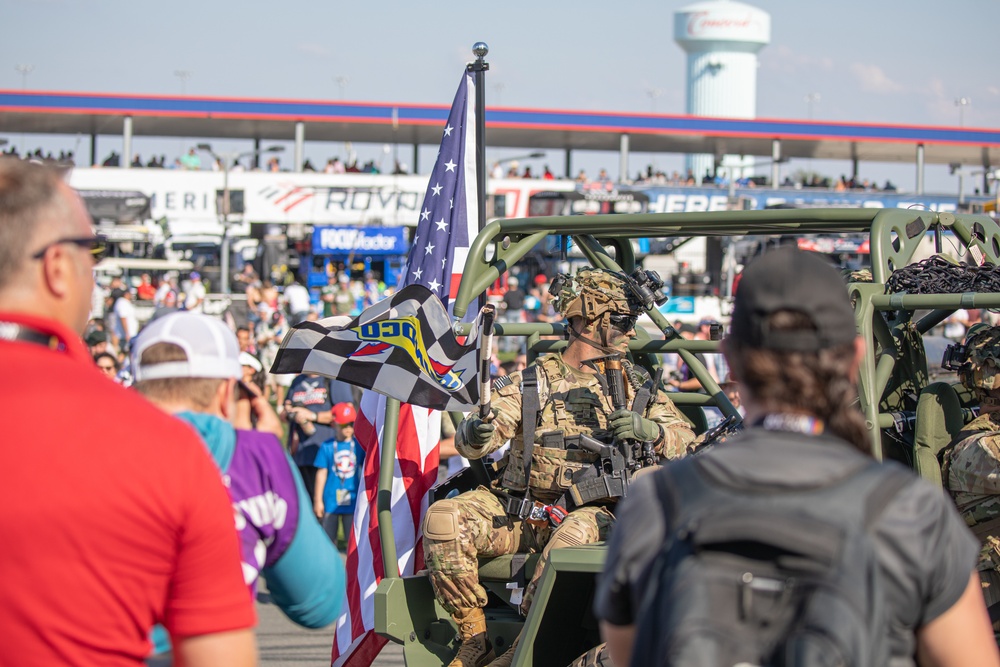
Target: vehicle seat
696,416
511,567
939,417
502,574
966,396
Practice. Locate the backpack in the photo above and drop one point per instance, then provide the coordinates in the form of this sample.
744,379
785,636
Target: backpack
754,576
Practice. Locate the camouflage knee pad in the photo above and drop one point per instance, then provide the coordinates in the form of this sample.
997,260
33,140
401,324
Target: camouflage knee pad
456,532
583,526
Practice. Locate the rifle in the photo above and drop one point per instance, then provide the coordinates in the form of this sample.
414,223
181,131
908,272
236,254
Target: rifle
726,429
637,455
617,462
612,482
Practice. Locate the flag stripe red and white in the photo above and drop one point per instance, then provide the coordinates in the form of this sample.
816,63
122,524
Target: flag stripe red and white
447,225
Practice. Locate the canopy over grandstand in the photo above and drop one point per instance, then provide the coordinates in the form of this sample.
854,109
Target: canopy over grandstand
261,119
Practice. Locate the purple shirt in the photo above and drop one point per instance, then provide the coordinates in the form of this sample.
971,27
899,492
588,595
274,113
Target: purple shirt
262,488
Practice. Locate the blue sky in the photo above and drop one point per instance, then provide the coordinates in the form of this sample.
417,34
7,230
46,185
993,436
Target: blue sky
892,61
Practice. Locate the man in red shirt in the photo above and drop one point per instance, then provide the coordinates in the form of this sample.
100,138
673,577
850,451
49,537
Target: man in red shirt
146,290
113,523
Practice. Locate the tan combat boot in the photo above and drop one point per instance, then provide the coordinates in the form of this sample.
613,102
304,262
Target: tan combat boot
476,650
507,657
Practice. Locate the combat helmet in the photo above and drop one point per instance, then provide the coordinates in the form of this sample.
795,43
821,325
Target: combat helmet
591,294
596,295
981,370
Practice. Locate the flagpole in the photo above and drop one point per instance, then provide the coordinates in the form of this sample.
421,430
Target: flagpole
383,502
479,68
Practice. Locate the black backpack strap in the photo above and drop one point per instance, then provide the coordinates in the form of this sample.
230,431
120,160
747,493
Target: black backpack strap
530,407
667,492
894,480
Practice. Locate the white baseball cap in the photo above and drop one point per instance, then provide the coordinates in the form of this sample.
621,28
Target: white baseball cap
247,359
211,348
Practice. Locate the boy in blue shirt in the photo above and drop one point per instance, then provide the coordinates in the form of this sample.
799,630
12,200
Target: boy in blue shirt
339,465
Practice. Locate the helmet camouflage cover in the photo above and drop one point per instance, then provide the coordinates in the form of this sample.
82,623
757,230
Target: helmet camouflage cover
981,372
592,293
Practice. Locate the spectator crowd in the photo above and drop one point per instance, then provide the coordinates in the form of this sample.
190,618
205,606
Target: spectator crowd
114,555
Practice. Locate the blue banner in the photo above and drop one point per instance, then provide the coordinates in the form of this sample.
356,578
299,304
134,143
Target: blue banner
690,199
359,241
678,305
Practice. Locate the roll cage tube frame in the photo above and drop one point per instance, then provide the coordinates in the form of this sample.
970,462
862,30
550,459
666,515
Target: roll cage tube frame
894,237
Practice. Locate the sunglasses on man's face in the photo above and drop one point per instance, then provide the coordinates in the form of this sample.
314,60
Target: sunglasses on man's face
623,323
96,245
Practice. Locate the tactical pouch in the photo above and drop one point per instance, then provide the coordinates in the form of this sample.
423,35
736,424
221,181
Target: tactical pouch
552,471
554,440
596,489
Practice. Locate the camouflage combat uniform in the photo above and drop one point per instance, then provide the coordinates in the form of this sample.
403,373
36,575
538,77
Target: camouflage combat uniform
972,462
571,401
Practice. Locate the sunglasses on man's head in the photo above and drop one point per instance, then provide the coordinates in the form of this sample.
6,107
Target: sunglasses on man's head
97,245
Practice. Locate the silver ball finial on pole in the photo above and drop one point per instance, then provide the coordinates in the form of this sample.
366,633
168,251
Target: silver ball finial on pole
480,49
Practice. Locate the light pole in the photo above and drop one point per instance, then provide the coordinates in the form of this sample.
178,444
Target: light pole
183,75
654,94
811,100
228,160
342,82
24,71
499,86
961,103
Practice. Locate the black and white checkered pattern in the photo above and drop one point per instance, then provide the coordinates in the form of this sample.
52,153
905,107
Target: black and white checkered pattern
340,353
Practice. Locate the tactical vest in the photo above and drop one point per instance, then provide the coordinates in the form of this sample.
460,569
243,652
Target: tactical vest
557,405
972,456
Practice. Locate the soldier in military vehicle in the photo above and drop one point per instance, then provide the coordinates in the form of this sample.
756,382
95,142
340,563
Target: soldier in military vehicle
972,462
540,502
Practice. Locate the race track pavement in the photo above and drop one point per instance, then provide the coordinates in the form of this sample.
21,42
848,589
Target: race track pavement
284,644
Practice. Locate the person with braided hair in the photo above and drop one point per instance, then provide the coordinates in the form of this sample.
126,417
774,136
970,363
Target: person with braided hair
543,411
803,460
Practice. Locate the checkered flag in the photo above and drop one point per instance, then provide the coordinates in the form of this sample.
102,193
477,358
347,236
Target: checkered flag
403,347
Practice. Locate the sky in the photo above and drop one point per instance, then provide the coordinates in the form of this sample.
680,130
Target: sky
889,61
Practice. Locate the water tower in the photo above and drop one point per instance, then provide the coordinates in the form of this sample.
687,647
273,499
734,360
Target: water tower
721,39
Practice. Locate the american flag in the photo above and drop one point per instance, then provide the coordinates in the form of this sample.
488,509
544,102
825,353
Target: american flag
448,223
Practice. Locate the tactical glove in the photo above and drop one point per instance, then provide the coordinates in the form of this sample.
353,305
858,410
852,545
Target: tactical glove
476,432
628,425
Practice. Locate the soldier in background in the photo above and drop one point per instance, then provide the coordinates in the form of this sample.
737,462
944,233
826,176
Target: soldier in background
569,398
972,462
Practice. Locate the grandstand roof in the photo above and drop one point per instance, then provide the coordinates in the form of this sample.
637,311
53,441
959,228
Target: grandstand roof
222,117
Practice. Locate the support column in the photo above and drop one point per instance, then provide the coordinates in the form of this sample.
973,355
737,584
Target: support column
93,149
623,159
920,169
256,153
568,165
300,145
416,159
986,172
126,161
775,163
